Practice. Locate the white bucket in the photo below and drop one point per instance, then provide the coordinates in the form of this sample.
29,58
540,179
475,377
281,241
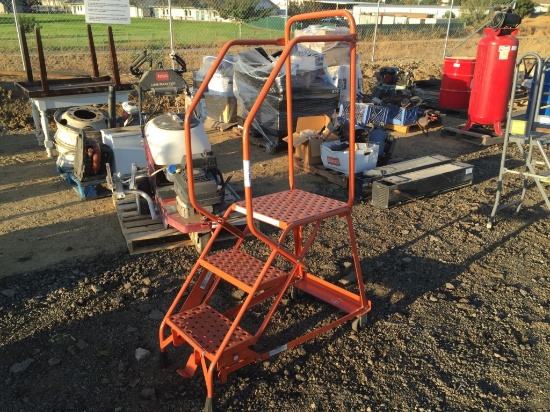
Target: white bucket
166,141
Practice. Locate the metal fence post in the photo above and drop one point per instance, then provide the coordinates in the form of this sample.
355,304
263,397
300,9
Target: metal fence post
16,17
448,28
375,30
171,34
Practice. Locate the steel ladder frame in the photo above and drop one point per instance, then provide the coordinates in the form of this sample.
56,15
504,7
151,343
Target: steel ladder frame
526,143
290,211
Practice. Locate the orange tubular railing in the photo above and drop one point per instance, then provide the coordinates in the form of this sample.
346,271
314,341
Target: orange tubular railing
283,59
352,39
193,105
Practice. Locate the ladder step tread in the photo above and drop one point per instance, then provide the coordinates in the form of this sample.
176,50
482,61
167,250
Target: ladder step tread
206,328
292,206
243,268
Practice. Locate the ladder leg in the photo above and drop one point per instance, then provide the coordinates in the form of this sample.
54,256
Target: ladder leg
499,182
543,193
209,380
356,262
541,145
527,158
208,405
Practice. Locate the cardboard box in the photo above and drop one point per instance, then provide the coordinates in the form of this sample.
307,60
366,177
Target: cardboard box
221,108
366,156
307,140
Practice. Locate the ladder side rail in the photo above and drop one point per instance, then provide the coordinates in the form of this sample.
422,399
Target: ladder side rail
357,263
532,119
541,80
545,157
527,131
252,114
209,371
192,107
538,76
164,342
352,85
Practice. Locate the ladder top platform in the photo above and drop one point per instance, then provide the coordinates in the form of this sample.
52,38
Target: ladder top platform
292,207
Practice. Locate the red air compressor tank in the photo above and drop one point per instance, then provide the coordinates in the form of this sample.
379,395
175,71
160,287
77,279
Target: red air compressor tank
493,76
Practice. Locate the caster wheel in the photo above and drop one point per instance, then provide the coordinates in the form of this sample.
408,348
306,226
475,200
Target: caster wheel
200,240
360,323
296,293
163,360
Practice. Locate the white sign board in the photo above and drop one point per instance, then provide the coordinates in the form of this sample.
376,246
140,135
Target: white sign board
108,12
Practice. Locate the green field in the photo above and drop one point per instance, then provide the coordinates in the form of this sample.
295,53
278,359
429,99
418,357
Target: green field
69,32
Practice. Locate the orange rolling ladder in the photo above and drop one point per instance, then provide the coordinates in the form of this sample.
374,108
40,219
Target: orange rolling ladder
217,336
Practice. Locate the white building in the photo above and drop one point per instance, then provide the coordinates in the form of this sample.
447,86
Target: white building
397,12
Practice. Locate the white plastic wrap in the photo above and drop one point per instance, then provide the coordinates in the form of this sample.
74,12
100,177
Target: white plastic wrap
312,90
222,80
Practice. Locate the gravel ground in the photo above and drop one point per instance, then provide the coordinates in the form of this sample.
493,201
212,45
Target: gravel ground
460,317
460,320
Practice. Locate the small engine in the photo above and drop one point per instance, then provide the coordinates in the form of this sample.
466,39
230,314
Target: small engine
392,82
208,184
394,76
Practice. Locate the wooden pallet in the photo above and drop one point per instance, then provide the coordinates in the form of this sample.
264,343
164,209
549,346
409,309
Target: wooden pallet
410,127
144,234
333,176
482,138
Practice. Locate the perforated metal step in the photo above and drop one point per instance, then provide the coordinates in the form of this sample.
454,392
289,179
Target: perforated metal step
242,270
205,329
292,207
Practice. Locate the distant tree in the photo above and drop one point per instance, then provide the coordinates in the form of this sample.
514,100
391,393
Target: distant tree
28,23
186,3
299,7
525,7
446,15
239,10
414,2
475,12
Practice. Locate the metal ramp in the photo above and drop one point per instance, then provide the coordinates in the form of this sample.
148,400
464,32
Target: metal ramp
221,335
531,140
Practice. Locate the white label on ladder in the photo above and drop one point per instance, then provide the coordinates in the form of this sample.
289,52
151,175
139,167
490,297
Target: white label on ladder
278,350
259,216
469,170
246,170
206,279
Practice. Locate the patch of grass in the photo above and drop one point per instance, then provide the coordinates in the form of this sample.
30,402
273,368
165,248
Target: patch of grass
69,32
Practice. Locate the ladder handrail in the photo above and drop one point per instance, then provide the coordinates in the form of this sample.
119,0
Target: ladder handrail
528,133
352,85
536,83
284,58
254,110
544,65
193,105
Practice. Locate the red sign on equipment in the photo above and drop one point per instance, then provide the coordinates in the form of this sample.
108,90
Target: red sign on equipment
162,76
333,161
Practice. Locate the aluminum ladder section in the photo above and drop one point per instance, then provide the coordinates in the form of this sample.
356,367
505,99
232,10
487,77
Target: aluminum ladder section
529,141
218,338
